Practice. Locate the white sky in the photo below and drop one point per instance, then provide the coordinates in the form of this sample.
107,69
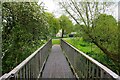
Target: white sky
53,7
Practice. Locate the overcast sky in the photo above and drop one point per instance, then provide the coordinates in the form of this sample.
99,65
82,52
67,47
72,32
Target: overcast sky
53,7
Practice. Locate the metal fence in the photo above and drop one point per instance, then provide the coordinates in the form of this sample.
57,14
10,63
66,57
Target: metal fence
32,66
85,66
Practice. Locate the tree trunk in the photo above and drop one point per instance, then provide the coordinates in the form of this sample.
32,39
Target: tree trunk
62,33
113,56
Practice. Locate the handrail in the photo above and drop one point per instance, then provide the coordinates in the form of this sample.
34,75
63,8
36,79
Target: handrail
90,67
31,66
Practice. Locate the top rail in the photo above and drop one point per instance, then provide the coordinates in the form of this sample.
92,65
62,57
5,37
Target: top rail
30,67
85,66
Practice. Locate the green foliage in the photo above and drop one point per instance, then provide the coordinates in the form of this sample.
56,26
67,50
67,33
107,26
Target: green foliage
65,24
100,28
53,23
106,32
93,51
78,28
23,31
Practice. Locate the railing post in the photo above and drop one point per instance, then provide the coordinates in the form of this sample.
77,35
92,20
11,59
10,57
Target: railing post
90,68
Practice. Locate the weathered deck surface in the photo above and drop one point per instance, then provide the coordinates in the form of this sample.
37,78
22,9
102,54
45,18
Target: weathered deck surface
57,65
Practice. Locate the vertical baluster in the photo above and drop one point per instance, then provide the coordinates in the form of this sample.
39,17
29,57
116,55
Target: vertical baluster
97,72
80,67
33,67
92,70
36,66
89,72
86,67
16,76
41,58
38,60
33,75
82,70
31,70
26,71
23,73
38,56
20,74
101,73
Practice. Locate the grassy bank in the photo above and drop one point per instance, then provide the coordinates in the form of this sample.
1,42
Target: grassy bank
93,51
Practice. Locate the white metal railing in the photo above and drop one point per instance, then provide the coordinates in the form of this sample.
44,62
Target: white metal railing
85,66
32,66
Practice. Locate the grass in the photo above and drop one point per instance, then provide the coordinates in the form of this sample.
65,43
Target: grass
55,41
83,45
92,50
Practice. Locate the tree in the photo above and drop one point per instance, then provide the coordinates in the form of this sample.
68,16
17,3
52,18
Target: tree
65,24
24,27
106,32
87,12
53,24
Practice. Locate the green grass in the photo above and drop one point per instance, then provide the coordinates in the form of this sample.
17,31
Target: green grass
87,47
92,50
55,41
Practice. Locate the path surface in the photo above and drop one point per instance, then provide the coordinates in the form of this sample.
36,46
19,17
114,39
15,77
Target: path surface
57,65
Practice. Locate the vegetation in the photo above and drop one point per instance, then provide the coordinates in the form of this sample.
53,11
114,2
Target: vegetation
65,24
26,26
98,27
55,41
53,22
93,51
23,31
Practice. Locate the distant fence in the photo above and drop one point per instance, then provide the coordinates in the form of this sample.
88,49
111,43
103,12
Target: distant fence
32,66
85,66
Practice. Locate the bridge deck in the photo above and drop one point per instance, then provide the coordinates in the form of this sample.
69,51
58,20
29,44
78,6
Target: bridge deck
57,65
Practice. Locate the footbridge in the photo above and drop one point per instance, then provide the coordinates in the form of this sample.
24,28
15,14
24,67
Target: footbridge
59,61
